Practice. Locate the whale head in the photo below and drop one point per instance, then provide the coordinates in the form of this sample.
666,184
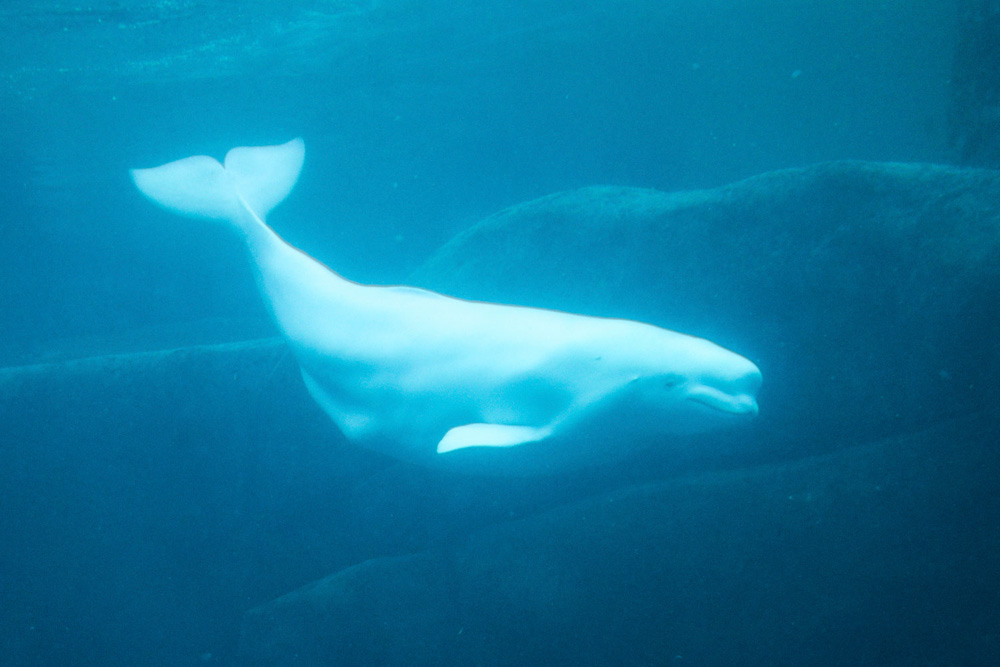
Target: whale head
683,384
723,382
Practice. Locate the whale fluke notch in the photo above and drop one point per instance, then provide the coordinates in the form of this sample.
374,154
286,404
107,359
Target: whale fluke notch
257,178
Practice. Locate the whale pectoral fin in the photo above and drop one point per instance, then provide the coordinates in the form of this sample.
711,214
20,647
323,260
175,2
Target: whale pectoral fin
489,435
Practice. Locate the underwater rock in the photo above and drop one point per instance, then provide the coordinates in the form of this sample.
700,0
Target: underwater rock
374,613
974,111
880,554
147,496
865,292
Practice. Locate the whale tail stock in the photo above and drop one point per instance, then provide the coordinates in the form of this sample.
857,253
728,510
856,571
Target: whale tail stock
251,178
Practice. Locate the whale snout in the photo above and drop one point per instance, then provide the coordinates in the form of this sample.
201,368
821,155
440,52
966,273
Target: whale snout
733,390
735,404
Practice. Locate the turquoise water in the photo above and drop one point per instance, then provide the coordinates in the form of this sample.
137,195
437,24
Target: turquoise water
420,118
150,499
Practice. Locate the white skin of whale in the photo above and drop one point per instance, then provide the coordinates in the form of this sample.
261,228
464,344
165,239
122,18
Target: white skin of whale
437,380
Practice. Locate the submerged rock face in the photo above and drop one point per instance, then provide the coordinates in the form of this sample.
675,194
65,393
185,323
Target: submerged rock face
974,112
881,554
147,496
865,292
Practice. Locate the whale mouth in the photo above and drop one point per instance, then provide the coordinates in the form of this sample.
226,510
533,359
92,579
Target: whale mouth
740,404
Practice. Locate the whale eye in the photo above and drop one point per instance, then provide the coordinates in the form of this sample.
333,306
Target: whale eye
671,381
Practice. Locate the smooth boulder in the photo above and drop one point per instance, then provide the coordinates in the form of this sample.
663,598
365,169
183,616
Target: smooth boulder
881,554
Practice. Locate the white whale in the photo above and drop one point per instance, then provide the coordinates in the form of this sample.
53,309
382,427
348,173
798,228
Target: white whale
439,380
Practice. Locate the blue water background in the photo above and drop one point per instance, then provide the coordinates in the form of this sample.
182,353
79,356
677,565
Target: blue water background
420,118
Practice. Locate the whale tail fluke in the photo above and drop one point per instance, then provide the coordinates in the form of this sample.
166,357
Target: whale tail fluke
257,178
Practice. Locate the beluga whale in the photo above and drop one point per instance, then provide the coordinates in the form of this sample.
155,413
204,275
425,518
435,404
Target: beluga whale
443,381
